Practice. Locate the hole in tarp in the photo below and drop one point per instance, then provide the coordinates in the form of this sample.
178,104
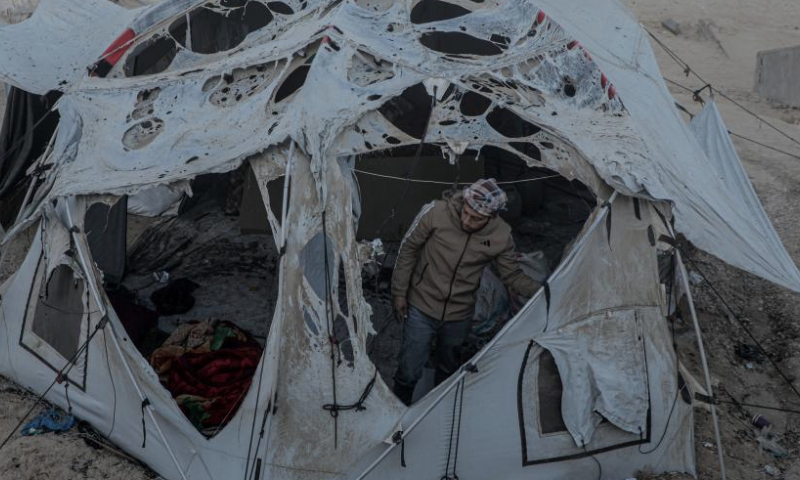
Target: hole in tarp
458,43
144,104
281,8
344,303
474,104
509,124
409,111
60,311
569,88
256,16
435,10
312,261
142,134
342,335
293,82
153,56
214,32
310,323
105,226
500,40
241,83
528,149
550,392
366,70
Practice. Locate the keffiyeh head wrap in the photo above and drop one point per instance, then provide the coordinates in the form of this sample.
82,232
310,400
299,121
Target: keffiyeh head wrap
485,197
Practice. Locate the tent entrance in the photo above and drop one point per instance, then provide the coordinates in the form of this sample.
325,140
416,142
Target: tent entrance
545,211
197,295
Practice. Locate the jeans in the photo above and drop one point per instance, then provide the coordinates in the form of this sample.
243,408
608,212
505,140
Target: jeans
418,334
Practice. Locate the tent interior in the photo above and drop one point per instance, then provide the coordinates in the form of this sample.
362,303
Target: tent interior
204,254
210,260
193,269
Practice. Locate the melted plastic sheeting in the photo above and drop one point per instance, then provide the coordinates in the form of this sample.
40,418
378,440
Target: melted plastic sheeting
712,134
54,48
549,101
185,34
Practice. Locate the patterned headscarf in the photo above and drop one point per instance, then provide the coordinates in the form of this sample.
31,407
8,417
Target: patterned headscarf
485,197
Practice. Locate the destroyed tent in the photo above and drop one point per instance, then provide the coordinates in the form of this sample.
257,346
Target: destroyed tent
294,89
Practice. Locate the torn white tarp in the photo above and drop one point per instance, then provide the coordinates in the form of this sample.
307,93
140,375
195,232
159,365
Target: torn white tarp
720,216
771,261
601,360
158,200
55,47
152,129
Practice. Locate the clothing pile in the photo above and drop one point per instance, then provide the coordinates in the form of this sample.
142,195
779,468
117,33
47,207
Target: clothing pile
208,367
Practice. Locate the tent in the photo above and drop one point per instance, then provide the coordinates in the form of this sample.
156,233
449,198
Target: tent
582,383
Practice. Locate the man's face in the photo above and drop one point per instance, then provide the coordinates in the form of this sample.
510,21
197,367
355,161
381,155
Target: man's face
472,221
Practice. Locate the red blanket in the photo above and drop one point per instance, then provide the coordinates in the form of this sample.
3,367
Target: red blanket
216,381
208,368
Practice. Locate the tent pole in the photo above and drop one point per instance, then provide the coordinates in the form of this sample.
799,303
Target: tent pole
285,205
703,361
462,372
90,279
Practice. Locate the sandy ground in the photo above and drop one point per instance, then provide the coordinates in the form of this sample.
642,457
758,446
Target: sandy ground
727,60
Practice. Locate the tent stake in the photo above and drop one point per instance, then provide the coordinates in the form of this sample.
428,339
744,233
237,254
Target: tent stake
703,361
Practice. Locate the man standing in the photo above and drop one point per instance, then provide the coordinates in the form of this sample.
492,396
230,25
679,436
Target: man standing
438,271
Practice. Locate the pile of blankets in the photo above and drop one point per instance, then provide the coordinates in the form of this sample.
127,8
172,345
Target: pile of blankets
208,367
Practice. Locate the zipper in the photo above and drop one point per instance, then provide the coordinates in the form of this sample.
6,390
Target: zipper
453,280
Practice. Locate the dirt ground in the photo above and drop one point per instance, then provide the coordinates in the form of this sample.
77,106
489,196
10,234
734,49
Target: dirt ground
719,39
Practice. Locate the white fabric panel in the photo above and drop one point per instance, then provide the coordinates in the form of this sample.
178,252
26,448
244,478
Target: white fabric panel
158,200
304,435
642,147
53,49
601,361
720,216
499,417
712,134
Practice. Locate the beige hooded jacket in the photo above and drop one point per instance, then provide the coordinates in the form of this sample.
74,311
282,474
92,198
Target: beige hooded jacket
439,265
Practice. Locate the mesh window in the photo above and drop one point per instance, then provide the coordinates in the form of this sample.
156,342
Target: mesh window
59,311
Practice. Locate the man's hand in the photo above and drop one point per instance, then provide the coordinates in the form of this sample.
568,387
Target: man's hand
400,309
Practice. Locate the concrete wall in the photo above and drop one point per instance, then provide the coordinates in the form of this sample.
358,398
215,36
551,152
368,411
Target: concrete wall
778,75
